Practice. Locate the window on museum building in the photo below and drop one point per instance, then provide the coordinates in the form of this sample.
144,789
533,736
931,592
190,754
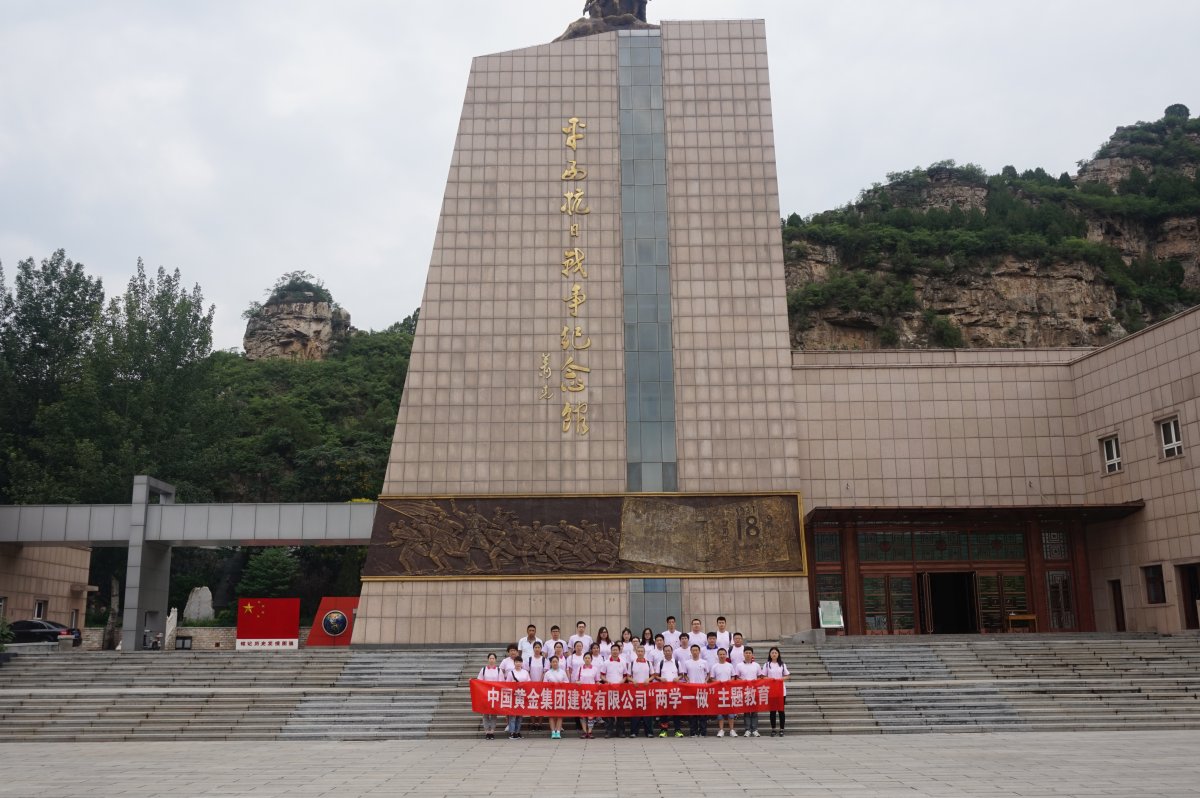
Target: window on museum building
3,605
1156,592
39,608
1172,442
1110,450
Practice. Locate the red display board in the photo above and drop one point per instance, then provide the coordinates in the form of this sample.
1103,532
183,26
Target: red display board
334,624
542,699
268,624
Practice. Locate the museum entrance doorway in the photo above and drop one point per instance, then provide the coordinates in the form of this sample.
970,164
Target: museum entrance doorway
948,602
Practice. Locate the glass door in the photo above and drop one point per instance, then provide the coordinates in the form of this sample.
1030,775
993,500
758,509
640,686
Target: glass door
888,604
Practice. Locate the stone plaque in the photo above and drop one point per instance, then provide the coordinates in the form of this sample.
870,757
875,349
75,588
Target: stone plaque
600,535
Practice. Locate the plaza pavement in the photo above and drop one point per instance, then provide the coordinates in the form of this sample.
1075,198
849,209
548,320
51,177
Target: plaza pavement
989,764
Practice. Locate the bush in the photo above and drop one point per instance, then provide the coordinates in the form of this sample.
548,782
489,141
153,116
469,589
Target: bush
6,633
943,332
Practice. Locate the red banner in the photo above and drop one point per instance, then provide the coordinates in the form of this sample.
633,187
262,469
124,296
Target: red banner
543,699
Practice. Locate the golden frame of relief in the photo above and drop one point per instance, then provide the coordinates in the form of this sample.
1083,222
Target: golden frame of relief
587,536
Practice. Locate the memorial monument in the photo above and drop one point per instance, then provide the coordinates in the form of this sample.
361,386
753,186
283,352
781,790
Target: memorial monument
598,419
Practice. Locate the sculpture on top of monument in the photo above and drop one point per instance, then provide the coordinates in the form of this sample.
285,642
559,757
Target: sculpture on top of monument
599,9
603,16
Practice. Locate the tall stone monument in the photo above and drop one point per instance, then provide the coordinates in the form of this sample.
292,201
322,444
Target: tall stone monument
598,419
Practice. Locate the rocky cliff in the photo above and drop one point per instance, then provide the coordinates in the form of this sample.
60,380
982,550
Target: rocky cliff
301,330
950,256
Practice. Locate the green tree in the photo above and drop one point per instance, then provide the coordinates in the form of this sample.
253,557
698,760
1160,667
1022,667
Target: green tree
1177,111
269,574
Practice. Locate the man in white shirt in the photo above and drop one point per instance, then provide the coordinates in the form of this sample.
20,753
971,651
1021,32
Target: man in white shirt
736,651
525,644
684,652
723,671
639,673
671,634
614,671
749,670
695,671
709,652
548,645
580,635
724,639
697,633
655,655
668,671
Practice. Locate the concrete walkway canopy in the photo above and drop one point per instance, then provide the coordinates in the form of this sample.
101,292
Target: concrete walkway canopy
151,530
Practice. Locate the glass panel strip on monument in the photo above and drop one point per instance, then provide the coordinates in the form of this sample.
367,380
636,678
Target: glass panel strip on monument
651,461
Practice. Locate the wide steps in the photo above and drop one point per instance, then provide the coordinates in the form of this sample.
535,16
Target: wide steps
849,685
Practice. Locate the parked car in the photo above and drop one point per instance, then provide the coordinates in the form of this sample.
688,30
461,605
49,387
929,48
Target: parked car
39,631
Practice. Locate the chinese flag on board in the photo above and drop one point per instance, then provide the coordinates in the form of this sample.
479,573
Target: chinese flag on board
268,619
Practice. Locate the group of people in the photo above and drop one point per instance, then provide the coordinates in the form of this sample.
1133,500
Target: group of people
694,656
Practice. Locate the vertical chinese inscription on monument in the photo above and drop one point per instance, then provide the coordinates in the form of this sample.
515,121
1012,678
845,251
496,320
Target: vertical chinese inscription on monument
574,341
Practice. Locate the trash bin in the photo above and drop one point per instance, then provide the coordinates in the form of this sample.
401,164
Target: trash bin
183,642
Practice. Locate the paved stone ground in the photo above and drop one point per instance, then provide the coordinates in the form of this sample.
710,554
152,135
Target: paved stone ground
994,764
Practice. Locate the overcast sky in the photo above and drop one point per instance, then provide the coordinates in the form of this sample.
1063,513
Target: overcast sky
239,140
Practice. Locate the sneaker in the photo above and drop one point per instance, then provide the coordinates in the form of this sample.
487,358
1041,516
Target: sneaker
772,732
662,733
755,733
489,736
721,733
512,736
678,734
733,732
519,737
781,732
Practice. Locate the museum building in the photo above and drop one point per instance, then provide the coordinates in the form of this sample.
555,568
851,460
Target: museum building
603,417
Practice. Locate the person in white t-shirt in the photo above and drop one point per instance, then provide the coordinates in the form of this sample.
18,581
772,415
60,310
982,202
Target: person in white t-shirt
555,637
724,639
654,653
683,652
537,666
695,671
506,664
696,633
556,675
588,674
723,672
671,634
627,643
775,669
575,660
604,640
737,649
538,663
580,636
640,672
709,652
614,670
525,644
519,675
748,670
490,673
668,671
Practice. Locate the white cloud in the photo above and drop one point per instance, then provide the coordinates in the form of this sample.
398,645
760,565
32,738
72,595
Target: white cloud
237,141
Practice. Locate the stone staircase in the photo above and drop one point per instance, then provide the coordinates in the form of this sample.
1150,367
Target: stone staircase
848,685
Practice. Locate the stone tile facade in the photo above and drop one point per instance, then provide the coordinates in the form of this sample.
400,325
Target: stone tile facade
682,245
56,575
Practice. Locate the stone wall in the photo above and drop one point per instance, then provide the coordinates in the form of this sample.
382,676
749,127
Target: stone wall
204,638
